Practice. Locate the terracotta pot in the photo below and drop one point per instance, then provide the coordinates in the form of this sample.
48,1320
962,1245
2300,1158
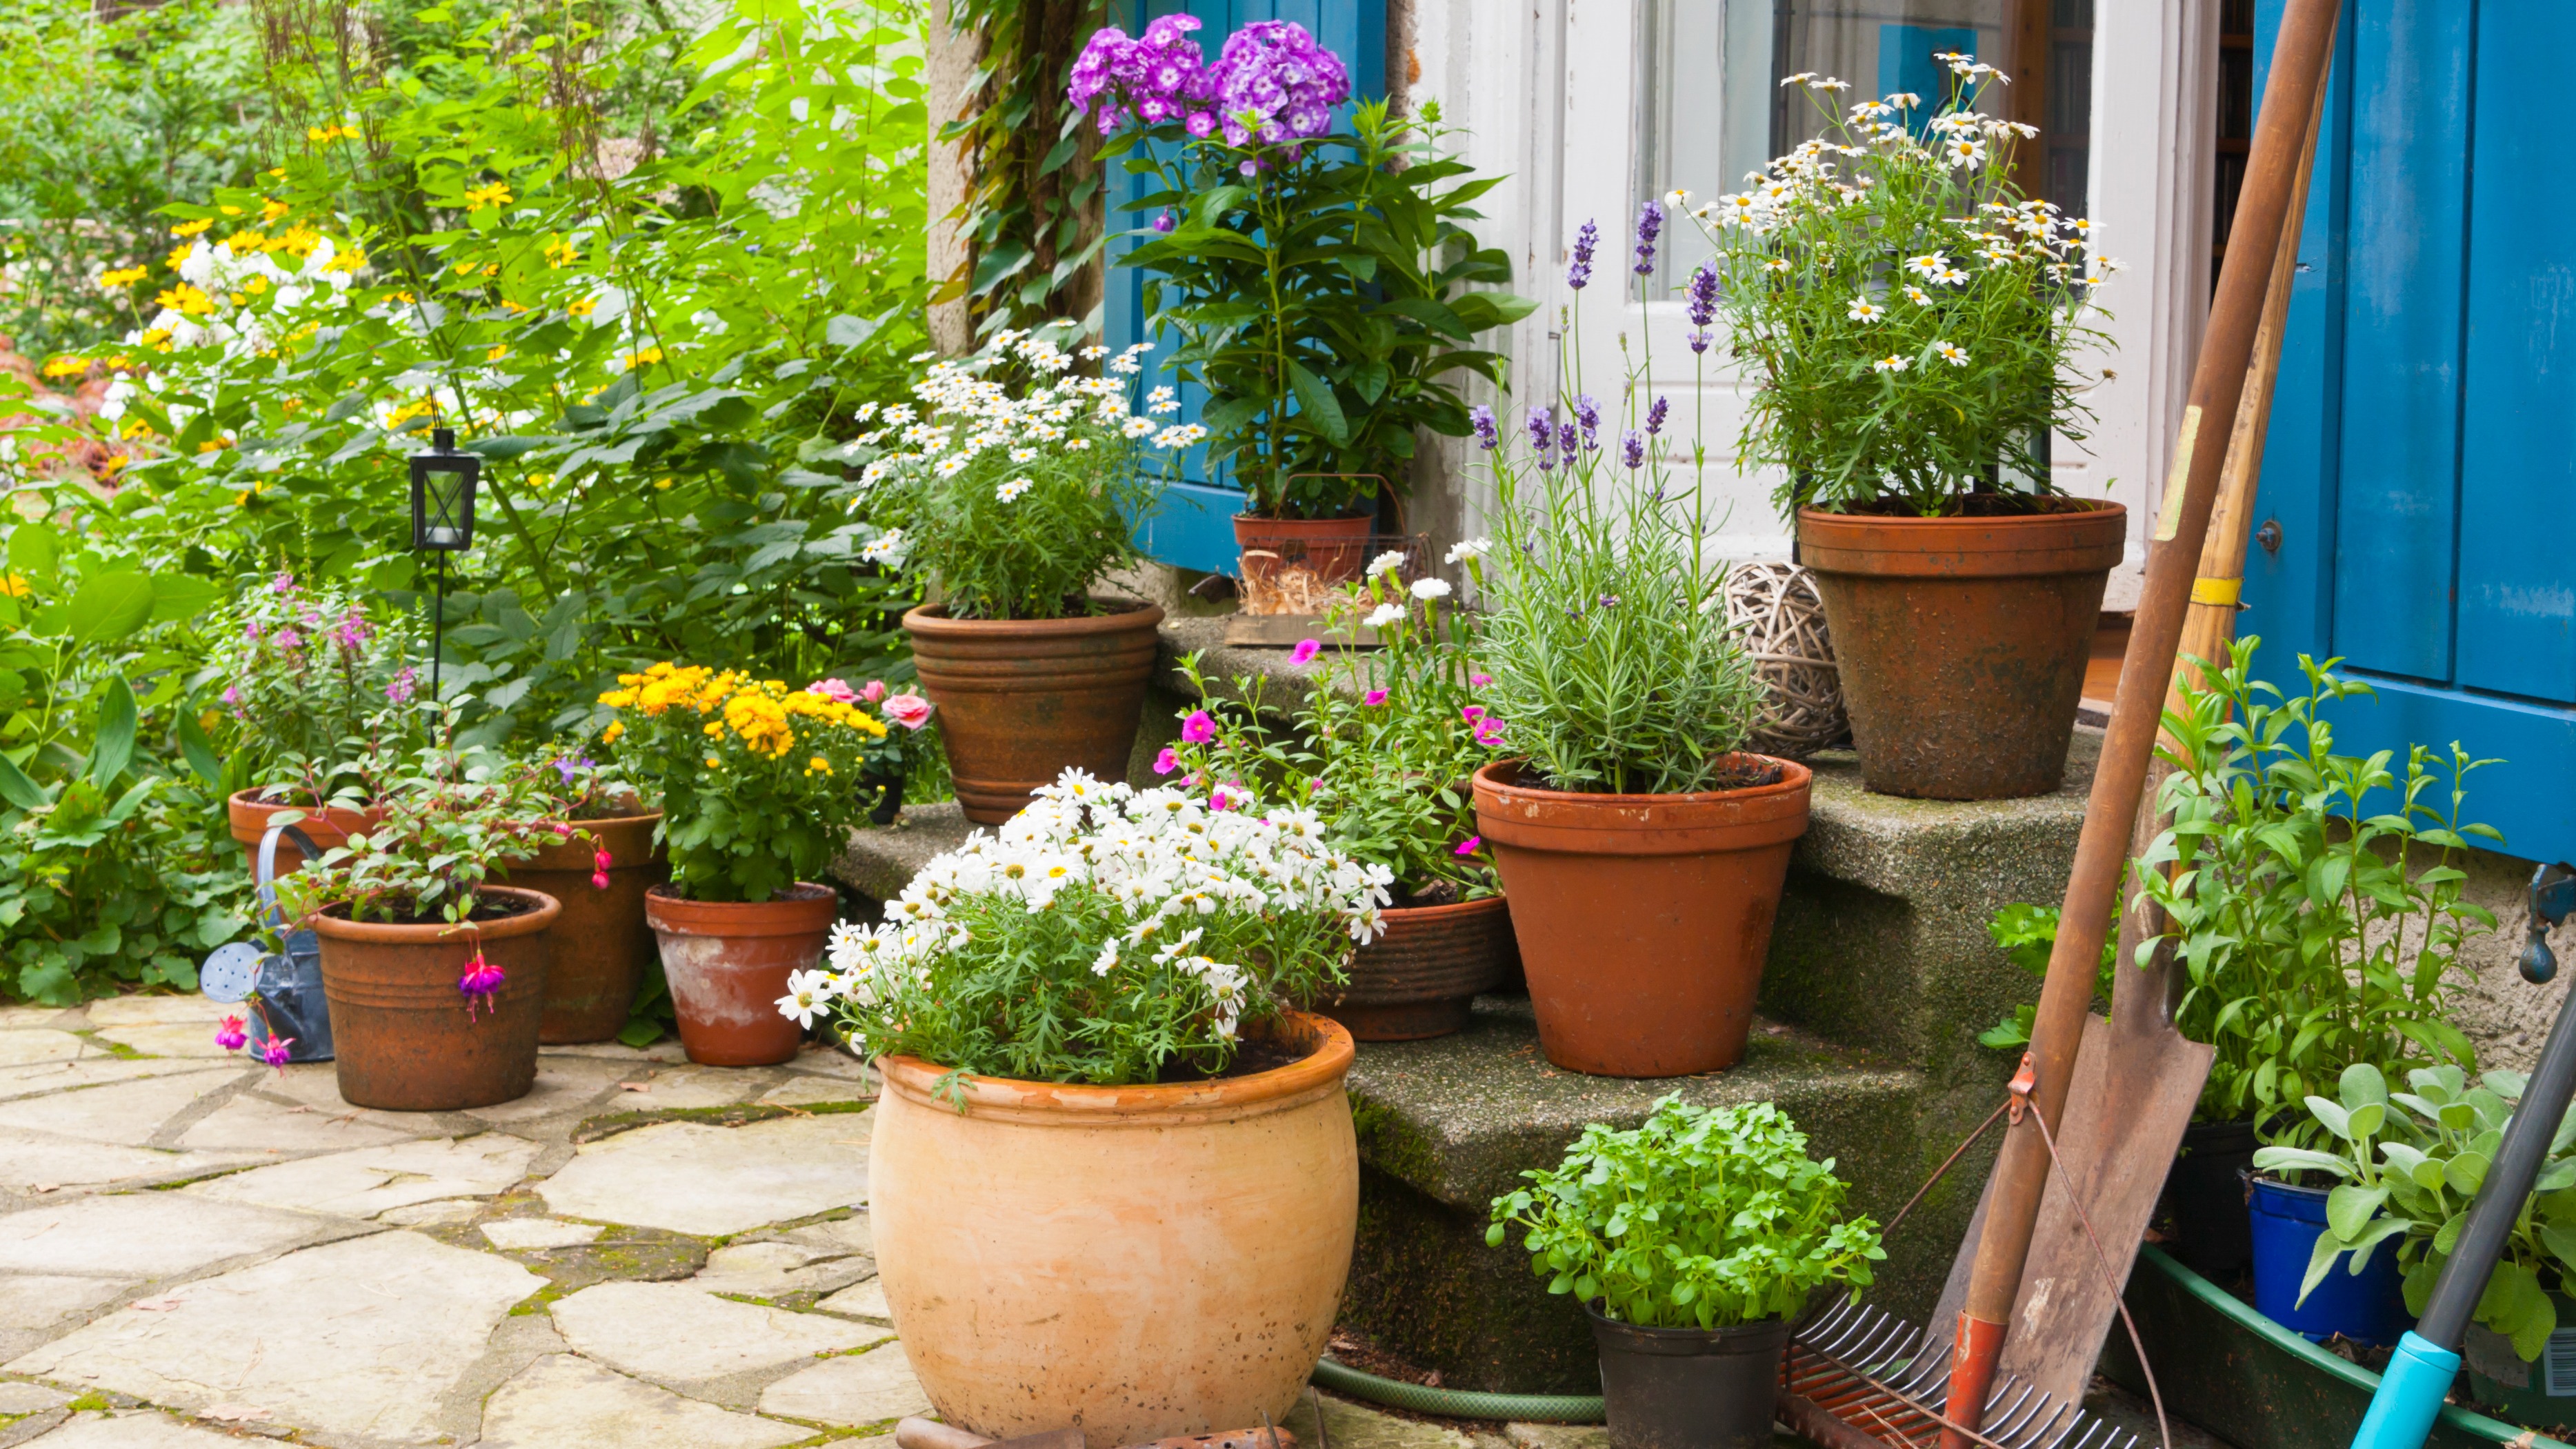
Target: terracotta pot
601,941
404,1038
1168,1259
727,964
1962,641
330,826
1643,920
1418,978
1287,563
1022,700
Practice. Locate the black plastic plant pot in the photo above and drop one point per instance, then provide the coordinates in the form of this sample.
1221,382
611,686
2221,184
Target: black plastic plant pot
2205,1191
1690,1388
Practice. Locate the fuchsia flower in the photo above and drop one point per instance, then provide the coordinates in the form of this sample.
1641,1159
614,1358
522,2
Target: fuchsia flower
1199,728
1168,761
1470,845
1373,698
480,981
908,710
834,690
231,1035
563,829
276,1052
873,691
599,863
1305,651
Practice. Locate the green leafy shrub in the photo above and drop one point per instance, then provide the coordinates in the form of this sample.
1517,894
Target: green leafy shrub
1704,1217
2310,897
2027,934
2407,1165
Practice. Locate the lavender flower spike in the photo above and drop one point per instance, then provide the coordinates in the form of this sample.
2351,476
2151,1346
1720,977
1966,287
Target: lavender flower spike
1481,418
1588,413
1542,430
1701,295
1579,274
1655,415
1566,440
1632,450
1650,225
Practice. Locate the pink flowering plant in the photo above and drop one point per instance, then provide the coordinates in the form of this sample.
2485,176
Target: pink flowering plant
1382,748
443,837
1322,279
317,689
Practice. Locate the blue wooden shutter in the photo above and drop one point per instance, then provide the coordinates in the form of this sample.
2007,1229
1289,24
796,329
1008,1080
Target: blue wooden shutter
1192,525
2421,464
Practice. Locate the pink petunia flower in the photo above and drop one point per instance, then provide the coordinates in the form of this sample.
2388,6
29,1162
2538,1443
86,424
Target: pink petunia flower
1199,728
1305,651
908,710
1479,681
1470,845
834,690
1168,761
1472,713
231,1035
1373,698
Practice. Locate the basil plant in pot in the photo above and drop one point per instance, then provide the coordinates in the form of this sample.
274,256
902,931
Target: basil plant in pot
1643,849
1911,323
1013,489
1693,1243
1381,751
2314,905
436,976
1089,1019
1321,277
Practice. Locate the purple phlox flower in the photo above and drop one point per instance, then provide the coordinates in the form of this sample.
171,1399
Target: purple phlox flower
1305,651
1588,413
230,1034
1660,409
1632,449
1273,82
1481,418
1567,439
1168,761
282,584
276,1051
1199,728
480,980
1578,274
1373,698
1650,225
1471,845
406,682
1165,222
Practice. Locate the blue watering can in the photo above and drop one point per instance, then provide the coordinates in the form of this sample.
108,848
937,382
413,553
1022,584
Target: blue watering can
285,991
2418,1377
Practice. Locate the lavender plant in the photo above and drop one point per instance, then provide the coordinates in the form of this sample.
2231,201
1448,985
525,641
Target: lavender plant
1614,668
1912,318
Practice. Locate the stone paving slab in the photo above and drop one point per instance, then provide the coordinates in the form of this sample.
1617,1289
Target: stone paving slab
564,1402
88,1071
676,1335
135,1430
30,1398
168,1039
521,1235
251,1121
22,1048
128,1113
40,1162
360,1337
371,1180
115,1011
778,1270
142,1235
717,1181
859,1389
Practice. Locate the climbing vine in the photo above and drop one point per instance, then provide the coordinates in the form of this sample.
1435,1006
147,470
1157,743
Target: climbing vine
1032,214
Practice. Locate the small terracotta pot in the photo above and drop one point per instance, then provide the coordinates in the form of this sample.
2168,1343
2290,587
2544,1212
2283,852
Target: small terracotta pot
1329,551
601,941
1169,1258
727,964
1643,920
1419,976
1962,641
404,1039
1022,700
329,825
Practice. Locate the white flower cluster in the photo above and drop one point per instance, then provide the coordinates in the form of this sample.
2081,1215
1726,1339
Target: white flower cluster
1173,865
211,304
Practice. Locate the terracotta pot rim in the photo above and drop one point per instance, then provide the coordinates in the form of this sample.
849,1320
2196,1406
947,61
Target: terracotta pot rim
388,933
1058,1104
793,914
1124,615
1494,902
2090,539
1794,778
1257,521
606,822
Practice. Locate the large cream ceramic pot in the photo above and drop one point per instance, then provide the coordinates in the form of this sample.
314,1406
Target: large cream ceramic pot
1138,1261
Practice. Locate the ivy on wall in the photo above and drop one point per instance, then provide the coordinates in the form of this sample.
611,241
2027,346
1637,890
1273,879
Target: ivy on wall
1032,213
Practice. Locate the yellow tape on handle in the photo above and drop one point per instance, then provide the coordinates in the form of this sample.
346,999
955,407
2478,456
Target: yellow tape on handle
2220,593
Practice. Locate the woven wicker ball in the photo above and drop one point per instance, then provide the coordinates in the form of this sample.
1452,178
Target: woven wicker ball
1782,622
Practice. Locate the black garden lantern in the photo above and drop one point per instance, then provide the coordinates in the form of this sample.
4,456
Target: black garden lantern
442,495
442,522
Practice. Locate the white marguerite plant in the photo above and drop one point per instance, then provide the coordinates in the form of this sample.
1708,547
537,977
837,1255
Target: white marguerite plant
1104,935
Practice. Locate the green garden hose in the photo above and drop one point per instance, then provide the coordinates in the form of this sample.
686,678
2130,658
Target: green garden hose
1458,1403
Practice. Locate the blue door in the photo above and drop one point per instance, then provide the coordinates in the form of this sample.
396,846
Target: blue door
2421,465
1193,526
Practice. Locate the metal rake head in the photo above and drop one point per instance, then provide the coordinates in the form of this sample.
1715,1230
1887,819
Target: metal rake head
1882,1376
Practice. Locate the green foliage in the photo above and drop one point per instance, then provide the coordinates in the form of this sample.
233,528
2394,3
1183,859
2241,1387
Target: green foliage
2311,897
2027,934
443,837
1382,749
1909,315
1015,500
761,785
1032,211
107,114
1614,667
2406,1167
317,694
1704,1217
1325,302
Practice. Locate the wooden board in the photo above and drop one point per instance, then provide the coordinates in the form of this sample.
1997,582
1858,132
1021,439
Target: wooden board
2132,1096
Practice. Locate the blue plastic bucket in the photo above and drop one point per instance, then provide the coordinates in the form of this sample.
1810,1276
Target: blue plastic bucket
2370,1308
